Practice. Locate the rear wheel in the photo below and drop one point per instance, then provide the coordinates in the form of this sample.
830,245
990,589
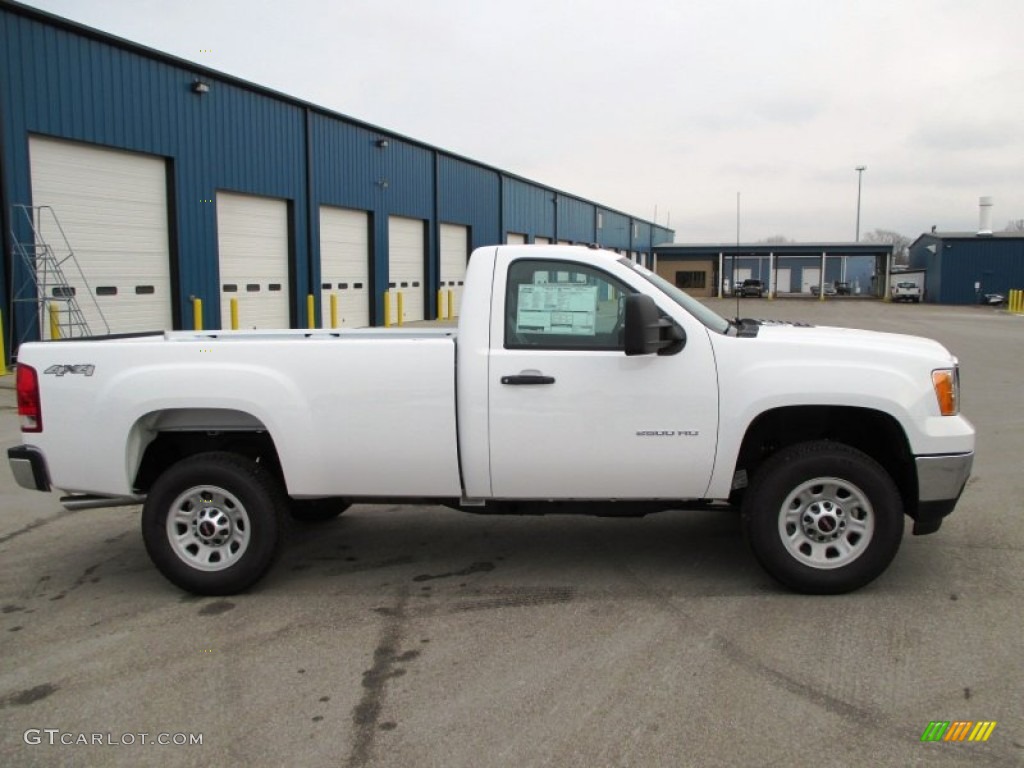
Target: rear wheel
211,523
823,518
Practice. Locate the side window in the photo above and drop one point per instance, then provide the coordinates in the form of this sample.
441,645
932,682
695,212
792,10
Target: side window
562,305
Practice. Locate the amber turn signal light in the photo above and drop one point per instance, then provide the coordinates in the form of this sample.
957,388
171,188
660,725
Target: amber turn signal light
947,391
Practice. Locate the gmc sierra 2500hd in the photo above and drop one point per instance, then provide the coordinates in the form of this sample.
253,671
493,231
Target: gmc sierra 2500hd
577,382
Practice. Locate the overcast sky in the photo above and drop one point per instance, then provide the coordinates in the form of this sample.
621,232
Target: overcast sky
674,105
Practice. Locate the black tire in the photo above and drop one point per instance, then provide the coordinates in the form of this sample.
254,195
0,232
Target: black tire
227,526
823,518
316,510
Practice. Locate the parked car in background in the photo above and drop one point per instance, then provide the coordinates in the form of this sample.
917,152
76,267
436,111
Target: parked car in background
753,288
906,291
842,288
829,290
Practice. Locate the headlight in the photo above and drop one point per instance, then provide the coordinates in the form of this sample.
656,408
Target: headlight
946,383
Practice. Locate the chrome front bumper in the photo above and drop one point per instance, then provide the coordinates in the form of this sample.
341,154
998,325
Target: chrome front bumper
940,481
942,477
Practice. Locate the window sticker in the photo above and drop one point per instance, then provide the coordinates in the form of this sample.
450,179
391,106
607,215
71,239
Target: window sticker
557,308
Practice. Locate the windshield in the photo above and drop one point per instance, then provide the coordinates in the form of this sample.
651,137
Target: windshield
709,318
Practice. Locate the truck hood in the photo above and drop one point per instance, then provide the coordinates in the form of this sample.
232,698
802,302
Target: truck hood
846,342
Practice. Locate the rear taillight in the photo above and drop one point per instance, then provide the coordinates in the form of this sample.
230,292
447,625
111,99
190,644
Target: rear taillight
29,409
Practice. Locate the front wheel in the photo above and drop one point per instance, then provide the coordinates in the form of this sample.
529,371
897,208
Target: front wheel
823,518
211,523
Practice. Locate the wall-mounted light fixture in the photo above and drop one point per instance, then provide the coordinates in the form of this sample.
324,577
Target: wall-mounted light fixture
198,86
383,143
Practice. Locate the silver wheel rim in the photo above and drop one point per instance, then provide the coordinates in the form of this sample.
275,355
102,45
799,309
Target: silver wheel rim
826,523
208,528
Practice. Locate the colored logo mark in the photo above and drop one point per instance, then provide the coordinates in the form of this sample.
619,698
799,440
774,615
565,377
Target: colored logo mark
958,730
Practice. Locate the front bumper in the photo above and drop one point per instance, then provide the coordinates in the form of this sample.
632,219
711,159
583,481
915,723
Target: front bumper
29,468
940,481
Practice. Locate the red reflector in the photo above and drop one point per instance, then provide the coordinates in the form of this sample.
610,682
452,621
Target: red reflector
29,409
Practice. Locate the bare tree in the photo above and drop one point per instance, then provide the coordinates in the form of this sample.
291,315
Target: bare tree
900,243
1016,225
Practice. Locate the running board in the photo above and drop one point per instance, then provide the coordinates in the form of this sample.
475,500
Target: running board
88,501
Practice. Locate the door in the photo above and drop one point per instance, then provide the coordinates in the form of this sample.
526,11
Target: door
406,259
783,276
252,244
810,277
514,238
454,257
570,415
112,207
344,266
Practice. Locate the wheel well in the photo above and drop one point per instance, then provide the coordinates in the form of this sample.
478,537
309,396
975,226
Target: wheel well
171,447
875,433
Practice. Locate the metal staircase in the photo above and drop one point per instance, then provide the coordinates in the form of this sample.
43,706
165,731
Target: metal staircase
47,264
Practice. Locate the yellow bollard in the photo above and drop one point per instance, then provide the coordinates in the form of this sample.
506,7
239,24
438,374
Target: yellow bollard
54,321
441,314
401,308
334,310
234,314
3,352
310,308
451,305
197,314
387,309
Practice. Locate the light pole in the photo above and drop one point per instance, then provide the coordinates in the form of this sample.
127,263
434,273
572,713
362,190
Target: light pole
860,173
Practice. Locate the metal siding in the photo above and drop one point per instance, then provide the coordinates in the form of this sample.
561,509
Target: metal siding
998,264
529,209
614,231
576,220
470,195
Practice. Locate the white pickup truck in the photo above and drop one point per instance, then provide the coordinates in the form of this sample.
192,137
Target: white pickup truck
577,382
906,290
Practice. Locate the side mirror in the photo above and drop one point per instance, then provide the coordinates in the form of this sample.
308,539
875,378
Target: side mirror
646,332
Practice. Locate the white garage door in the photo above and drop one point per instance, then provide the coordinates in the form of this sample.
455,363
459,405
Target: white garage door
252,243
514,238
783,278
542,240
345,266
112,205
454,257
405,266
810,276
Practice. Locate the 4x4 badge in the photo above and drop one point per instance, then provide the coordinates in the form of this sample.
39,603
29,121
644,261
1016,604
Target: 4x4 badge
60,370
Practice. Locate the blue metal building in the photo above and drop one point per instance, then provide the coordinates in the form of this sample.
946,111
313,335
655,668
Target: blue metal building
961,266
173,182
784,268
